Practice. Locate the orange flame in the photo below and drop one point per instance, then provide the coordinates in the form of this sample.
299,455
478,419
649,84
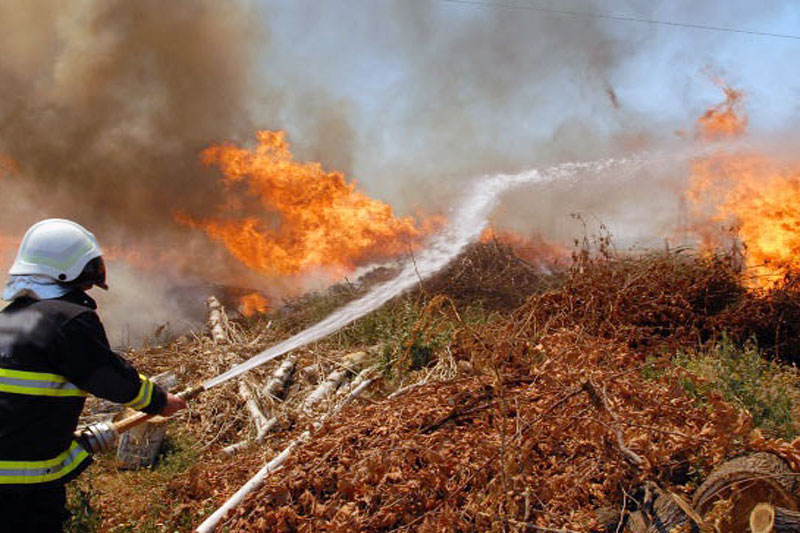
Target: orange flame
753,195
310,218
724,119
534,250
253,303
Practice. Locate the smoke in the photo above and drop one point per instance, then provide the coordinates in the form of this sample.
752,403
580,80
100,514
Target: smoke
104,107
112,113
456,91
448,91
106,104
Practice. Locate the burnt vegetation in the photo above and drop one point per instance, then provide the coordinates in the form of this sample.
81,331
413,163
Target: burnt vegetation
526,398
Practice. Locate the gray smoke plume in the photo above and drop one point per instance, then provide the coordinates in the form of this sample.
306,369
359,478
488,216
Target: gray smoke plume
106,104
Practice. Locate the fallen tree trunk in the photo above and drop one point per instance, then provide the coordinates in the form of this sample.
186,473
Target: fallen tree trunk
275,464
765,518
280,379
274,388
349,365
260,421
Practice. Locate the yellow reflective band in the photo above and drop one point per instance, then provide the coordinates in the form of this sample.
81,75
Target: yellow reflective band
25,374
142,399
36,384
28,472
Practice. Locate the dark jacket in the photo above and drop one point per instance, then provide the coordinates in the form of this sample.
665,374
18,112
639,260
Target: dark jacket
52,353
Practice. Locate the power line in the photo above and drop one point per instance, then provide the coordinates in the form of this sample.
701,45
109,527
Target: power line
586,14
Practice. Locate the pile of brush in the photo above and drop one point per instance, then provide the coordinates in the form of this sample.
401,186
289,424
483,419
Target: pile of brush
545,416
543,434
557,417
669,300
491,275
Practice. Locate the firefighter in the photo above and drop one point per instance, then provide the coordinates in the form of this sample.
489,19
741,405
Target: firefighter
53,353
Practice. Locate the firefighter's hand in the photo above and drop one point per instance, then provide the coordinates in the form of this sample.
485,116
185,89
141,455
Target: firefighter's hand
173,405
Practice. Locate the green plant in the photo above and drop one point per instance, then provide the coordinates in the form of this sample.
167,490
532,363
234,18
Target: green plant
177,455
766,389
85,518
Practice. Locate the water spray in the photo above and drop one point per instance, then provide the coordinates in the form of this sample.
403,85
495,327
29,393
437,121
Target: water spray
467,223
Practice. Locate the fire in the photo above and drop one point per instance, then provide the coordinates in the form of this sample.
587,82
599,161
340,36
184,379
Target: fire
724,119
534,250
753,195
309,218
253,303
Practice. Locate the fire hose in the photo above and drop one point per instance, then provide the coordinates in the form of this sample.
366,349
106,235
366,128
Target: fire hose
100,437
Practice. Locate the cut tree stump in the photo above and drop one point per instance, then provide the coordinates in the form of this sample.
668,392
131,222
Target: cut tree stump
745,482
139,446
765,518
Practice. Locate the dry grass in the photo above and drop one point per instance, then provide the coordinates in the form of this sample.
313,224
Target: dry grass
509,429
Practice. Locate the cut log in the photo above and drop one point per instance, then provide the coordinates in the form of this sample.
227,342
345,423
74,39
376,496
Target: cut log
275,464
349,365
362,376
280,378
312,373
273,389
216,320
765,518
658,513
747,481
251,404
636,523
665,515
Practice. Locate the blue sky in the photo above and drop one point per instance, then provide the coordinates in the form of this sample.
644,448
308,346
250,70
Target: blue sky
658,70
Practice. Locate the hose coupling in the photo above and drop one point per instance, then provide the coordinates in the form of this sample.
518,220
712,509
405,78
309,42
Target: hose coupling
99,437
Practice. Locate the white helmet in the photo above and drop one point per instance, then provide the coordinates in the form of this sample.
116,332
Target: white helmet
56,248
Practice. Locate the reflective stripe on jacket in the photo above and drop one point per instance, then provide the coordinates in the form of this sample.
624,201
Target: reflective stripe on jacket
37,384
29,472
145,395
52,354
